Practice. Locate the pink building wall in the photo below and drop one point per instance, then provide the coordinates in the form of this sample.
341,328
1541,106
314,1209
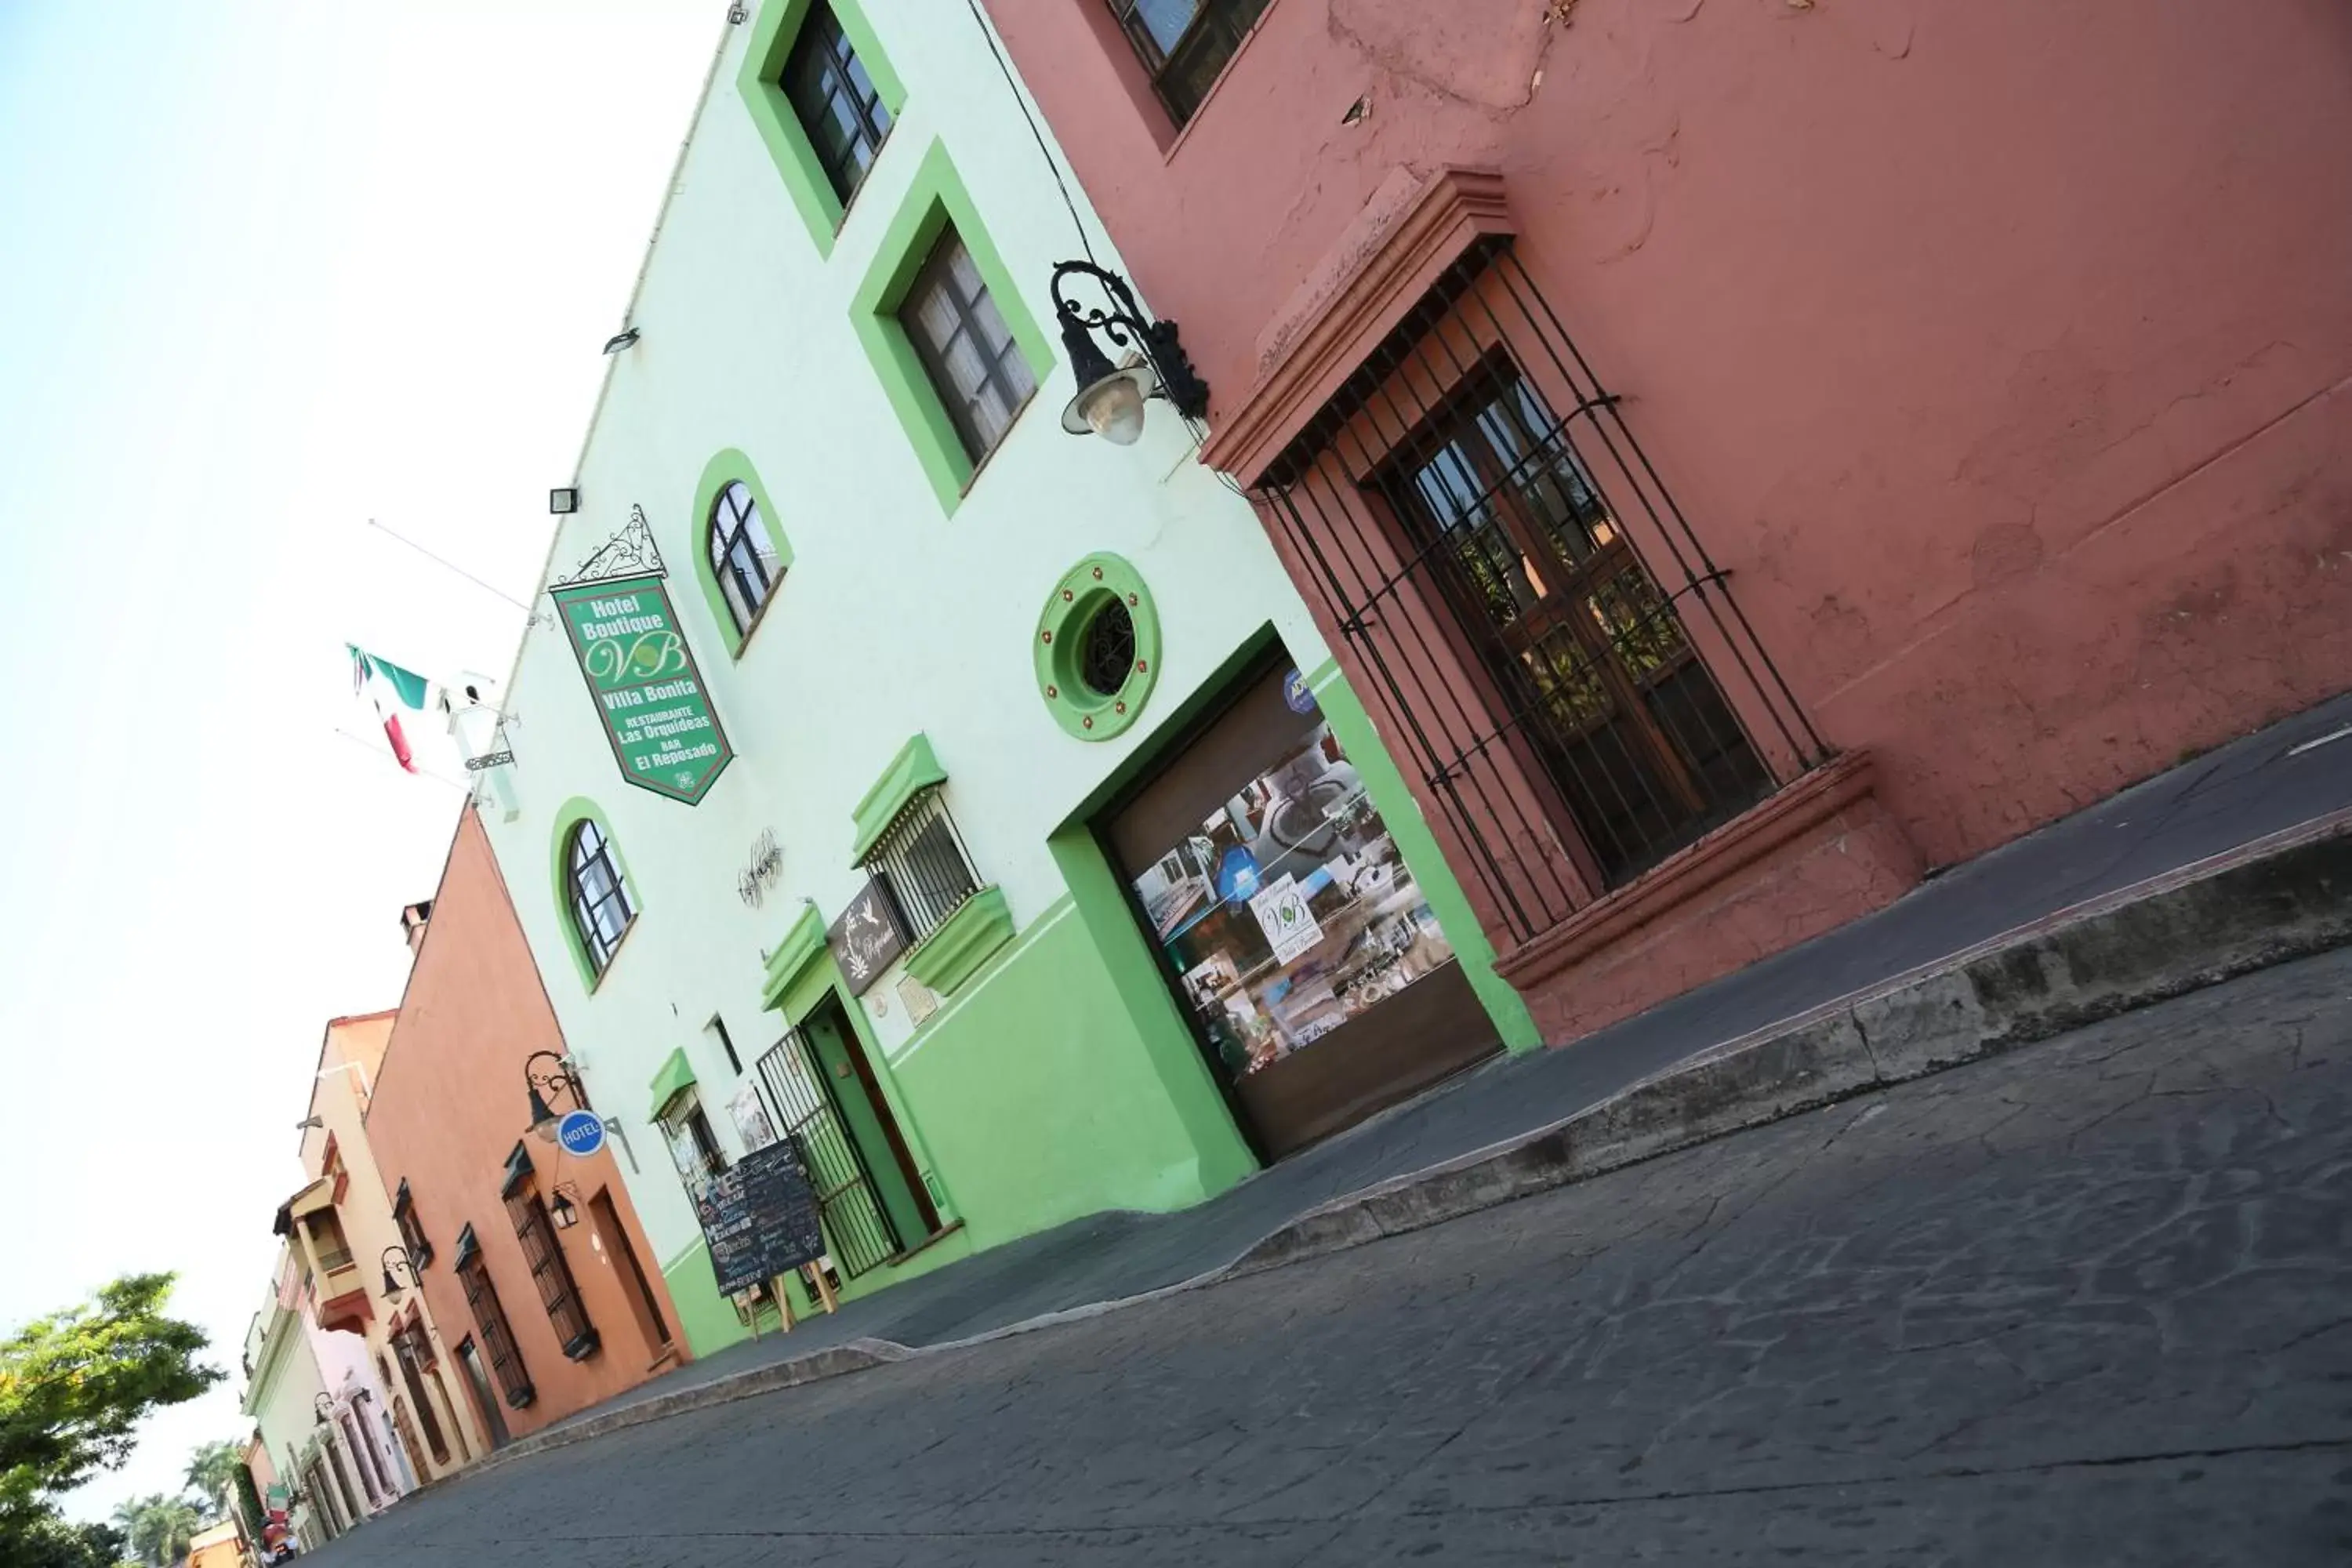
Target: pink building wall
1999,351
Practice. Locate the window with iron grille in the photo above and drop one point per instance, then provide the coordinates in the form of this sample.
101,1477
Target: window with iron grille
1472,503
968,352
601,912
693,1147
1185,44
490,1319
741,556
412,1231
922,859
834,100
1626,721
550,1271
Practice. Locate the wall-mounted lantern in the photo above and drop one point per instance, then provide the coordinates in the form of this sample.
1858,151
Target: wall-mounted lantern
395,1256
561,1209
544,1082
1110,399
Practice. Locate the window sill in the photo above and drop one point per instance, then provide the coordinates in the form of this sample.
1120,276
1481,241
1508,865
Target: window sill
953,953
980,467
584,1347
596,981
743,638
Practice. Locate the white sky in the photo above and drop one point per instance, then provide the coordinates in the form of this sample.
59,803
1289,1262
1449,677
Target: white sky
267,269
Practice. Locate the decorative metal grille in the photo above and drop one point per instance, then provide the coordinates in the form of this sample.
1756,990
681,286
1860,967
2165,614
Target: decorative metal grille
922,859
550,1271
1562,660
497,1336
631,553
1106,655
858,1228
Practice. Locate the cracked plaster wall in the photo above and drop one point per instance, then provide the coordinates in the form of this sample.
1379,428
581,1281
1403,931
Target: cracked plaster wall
2002,351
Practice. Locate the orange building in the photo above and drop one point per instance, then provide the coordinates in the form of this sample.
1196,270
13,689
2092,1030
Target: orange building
531,1258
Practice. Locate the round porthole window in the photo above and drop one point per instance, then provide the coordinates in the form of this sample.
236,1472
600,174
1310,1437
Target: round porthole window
1096,648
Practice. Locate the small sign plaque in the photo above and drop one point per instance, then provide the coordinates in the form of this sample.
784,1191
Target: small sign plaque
865,938
581,1132
488,760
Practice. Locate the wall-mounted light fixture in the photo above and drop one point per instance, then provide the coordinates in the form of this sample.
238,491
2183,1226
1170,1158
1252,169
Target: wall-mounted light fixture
563,501
562,1208
544,1082
395,1256
322,1406
620,340
1110,398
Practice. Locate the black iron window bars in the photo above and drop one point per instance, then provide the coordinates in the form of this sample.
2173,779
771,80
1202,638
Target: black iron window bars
1525,593
921,860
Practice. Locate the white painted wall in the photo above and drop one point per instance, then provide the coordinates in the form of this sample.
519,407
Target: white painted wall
893,618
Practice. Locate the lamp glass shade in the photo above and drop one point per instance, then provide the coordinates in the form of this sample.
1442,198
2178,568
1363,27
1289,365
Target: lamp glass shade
563,1213
1112,407
542,1120
390,1286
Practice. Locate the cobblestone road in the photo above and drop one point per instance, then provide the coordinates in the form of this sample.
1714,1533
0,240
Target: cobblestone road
2090,1304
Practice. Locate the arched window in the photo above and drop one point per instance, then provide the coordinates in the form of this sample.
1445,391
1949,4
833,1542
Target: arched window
741,554
601,913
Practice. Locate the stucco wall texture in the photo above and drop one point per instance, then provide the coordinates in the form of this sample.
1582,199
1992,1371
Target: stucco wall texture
449,1105
1999,351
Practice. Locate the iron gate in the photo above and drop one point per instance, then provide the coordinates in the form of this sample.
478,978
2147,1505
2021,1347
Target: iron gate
856,1224
1547,636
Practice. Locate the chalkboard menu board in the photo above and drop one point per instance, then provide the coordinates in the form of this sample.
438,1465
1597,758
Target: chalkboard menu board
761,1218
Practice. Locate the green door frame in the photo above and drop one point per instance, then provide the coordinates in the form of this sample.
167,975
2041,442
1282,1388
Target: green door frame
839,1062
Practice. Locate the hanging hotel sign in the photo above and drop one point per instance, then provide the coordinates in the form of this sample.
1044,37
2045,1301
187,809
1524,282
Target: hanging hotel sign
648,691
865,938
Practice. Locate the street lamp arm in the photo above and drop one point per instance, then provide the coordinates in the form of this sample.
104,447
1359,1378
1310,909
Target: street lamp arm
1124,323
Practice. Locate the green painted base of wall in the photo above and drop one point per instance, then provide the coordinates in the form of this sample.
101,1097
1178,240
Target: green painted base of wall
1060,1081
708,1317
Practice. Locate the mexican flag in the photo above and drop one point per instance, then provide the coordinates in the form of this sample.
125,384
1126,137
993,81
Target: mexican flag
391,689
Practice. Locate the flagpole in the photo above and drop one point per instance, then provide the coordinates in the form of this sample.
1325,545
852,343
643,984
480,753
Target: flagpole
451,566
376,750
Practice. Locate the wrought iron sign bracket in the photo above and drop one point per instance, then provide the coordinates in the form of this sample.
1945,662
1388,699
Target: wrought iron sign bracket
631,553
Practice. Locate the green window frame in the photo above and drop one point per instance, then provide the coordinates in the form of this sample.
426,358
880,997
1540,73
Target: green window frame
761,82
568,817
726,468
937,201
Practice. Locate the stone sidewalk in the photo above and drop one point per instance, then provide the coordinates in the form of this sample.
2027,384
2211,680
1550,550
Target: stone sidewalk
2088,1302
2261,785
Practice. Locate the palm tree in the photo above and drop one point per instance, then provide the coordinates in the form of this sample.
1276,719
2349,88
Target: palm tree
159,1526
212,1470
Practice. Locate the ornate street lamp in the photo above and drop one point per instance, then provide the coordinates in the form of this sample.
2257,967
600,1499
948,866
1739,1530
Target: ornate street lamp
1110,398
560,1079
322,1406
561,1209
396,1257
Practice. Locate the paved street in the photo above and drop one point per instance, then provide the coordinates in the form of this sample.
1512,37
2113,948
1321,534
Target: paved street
2089,1303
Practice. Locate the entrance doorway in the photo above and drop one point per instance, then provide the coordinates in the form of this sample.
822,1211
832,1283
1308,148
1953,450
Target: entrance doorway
636,1289
1292,932
873,1200
477,1378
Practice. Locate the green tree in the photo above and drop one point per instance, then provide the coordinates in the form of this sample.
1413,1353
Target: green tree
212,1470
159,1526
73,1389
75,1385
47,1541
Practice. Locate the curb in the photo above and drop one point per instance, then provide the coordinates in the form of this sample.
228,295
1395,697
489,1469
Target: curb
2283,897
834,1360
